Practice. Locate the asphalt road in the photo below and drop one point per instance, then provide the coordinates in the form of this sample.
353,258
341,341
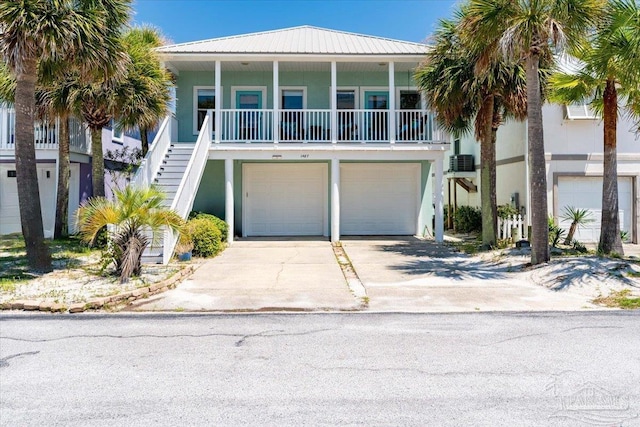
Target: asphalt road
522,369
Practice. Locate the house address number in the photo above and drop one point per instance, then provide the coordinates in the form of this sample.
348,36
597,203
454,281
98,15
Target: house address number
304,156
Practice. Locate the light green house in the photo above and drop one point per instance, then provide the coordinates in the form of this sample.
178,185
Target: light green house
302,131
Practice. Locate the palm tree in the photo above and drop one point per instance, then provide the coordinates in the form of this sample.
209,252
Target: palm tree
533,30
145,93
607,72
132,212
466,96
32,31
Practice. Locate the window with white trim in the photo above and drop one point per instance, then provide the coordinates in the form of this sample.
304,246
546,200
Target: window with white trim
204,100
577,111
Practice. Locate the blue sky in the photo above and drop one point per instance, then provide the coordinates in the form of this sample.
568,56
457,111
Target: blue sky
190,20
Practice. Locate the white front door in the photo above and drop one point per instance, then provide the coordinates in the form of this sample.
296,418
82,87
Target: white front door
586,193
379,198
287,199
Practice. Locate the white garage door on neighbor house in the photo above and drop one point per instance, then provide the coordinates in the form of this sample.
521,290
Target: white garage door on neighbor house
288,199
379,198
586,193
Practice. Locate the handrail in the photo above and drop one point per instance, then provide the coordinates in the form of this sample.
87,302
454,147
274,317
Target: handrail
151,163
186,192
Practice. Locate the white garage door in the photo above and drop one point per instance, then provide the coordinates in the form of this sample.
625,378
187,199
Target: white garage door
379,198
285,199
586,193
9,209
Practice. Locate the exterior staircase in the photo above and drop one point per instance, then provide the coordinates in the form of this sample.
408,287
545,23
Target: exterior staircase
168,180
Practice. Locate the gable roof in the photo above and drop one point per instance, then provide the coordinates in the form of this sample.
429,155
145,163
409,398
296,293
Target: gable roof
300,40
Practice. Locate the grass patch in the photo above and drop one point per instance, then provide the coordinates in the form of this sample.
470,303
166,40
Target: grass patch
14,269
620,299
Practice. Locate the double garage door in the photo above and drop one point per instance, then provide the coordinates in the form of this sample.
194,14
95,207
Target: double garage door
586,193
293,199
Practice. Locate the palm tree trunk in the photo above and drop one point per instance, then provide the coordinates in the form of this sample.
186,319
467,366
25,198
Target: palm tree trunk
488,175
38,255
144,140
610,240
62,204
97,162
537,164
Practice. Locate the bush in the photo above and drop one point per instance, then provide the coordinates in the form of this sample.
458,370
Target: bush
507,211
206,237
222,226
468,219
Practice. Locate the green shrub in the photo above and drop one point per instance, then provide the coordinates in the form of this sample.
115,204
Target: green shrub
507,211
556,233
222,226
205,236
468,219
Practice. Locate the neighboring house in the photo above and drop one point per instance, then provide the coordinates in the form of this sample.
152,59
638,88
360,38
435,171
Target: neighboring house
301,132
573,138
46,143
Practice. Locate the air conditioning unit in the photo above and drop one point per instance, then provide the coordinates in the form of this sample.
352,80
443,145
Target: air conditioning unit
461,163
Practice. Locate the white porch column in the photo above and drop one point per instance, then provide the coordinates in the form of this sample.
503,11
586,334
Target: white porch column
392,102
218,100
4,125
276,102
335,200
228,198
438,200
334,102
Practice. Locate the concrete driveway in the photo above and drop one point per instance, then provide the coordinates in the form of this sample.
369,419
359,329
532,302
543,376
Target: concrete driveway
412,275
262,275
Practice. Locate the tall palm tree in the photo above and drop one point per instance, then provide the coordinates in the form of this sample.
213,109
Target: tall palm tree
33,31
145,93
607,72
532,29
465,96
132,212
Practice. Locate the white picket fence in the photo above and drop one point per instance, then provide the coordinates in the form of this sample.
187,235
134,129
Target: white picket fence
508,225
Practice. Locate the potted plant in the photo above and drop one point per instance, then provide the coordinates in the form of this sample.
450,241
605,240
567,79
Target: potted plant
184,247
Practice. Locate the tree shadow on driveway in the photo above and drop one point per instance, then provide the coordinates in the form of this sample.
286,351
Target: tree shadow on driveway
441,260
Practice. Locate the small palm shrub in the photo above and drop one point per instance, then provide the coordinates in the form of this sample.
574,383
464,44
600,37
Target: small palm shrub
206,237
578,218
222,226
555,233
133,213
467,219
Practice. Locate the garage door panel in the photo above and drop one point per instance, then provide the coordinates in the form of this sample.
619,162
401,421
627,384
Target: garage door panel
285,199
586,193
379,199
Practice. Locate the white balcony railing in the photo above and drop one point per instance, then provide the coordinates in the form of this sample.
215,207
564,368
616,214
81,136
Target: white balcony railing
314,126
45,134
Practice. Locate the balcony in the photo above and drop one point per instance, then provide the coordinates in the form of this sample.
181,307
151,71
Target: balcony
45,135
316,126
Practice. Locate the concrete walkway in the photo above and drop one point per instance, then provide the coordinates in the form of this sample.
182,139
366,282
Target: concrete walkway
262,275
412,275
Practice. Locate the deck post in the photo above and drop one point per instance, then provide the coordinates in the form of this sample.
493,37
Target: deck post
438,189
335,200
334,102
218,101
228,198
276,102
392,102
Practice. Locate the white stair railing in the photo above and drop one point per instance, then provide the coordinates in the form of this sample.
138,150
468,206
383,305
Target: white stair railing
186,192
151,163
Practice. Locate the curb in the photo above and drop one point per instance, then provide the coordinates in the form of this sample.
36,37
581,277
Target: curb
99,303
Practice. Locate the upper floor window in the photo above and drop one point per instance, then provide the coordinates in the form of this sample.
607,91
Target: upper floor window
410,100
292,99
346,99
204,100
580,111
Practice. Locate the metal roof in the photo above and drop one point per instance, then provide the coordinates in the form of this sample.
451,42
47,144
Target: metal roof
300,40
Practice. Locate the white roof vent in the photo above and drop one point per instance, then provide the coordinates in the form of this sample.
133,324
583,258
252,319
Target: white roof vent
580,112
